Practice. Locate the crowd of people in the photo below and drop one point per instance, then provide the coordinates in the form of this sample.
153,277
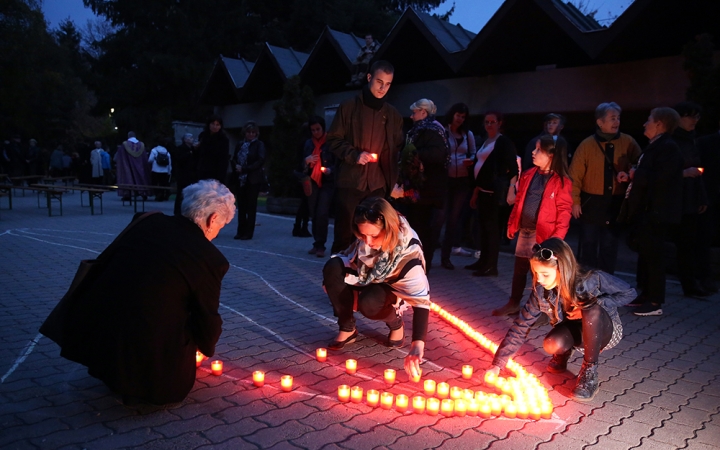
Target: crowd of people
394,192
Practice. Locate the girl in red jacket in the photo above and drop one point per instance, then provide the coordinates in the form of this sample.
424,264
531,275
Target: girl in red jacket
542,210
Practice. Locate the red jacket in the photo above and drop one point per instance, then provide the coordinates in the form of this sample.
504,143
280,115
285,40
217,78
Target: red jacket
555,207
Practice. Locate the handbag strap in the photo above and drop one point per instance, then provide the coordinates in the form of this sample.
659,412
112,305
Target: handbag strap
115,243
607,158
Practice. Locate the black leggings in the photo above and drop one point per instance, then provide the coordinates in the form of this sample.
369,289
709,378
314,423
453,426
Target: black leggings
375,301
593,332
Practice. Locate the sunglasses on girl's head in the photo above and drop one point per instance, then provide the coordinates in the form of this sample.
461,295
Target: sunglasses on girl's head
544,253
369,214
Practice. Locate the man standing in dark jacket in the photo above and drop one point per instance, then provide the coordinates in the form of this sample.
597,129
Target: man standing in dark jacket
365,136
184,168
655,204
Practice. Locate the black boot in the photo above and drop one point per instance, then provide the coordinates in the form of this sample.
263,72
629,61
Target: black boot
296,230
587,382
511,307
303,232
558,363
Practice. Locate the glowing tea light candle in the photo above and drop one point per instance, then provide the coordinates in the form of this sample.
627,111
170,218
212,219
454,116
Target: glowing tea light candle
323,169
460,407
546,410
321,354
198,359
386,400
442,390
258,378
447,407
535,412
389,376
510,410
418,404
473,406
467,371
401,403
216,367
468,394
490,379
344,393
485,410
433,406
416,378
456,392
522,411
495,406
351,366
286,382
429,386
701,170
373,397
356,394
374,156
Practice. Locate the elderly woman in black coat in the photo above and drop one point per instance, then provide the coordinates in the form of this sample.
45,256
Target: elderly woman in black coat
422,185
137,320
248,179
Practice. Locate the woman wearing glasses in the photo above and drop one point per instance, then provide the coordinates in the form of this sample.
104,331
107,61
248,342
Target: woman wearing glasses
380,275
542,209
581,307
495,165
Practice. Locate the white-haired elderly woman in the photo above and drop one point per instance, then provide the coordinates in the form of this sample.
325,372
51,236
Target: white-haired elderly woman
422,184
137,320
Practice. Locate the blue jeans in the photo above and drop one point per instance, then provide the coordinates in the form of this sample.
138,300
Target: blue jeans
458,195
319,203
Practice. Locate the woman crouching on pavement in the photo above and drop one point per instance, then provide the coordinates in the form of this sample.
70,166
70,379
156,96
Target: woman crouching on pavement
582,309
379,275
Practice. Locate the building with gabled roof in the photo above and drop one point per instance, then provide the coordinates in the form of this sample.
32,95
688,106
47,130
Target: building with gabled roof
273,66
226,80
329,65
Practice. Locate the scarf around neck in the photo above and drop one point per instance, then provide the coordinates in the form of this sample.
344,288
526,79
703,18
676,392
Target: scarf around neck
316,174
376,265
370,100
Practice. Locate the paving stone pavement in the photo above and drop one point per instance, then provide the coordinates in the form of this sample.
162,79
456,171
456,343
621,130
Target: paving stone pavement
659,387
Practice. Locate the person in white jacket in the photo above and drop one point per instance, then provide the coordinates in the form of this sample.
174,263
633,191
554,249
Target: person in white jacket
96,163
161,171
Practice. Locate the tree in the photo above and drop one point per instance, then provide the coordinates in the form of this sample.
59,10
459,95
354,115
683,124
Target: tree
704,77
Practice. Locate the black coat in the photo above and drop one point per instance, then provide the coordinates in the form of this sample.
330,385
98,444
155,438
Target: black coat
694,194
433,152
138,325
501,163
657,186
253,166
184,166
213,156
709,149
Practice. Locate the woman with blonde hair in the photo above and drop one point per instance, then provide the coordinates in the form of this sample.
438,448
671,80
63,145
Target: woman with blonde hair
380,275
581,307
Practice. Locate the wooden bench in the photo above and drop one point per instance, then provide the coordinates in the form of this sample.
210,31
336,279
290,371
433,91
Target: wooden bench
133,188
65,179
93,193
51,193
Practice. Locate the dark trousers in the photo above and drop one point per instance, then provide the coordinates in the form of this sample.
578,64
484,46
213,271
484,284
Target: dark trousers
162,180
246,197
374,301
598,246
458,195
423,219
347,201
688,242
651,261
593,332
488,211
519,280
319,203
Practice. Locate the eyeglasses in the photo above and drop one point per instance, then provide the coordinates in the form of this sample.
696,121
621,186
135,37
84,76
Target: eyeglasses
544,253
369,214
491,122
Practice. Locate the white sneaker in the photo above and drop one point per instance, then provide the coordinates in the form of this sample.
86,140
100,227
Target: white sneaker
476,254
459,251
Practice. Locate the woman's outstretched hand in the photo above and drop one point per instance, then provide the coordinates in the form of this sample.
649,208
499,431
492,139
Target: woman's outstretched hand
413,359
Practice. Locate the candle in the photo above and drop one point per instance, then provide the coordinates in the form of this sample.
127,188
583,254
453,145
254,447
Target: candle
495,406
535,412
522,411
467,371
389,376
351,366
460,407
216,367
473,406
701,170
416,378
443,390
323,169
386,400
546,410
447,407
344,393
258,378
321,354
374,156
510,410
485,410
198,359
433,406
490,379
419,404
468,394
286,383
456,392
356,394
429,386
401,403
373,397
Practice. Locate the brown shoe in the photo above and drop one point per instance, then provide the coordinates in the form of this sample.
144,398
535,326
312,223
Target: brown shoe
509,308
